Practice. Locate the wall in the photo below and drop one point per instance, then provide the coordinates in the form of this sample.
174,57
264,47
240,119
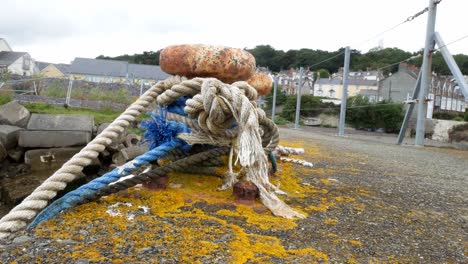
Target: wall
17,67
51,71
441,128
4,46
397,87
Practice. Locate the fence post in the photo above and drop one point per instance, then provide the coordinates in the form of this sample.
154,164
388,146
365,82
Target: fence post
299,93
70,86
345,93
141,87
275,87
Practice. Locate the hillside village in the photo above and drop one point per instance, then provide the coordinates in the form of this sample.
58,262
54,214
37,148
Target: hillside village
372,84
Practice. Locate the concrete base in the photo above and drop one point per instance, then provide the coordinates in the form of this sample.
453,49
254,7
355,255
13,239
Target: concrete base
3,152
48,159
53,139
9,135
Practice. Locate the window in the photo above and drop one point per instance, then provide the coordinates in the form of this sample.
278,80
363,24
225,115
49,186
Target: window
332,93
319,92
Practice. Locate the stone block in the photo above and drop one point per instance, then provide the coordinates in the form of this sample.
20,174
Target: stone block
61,122
49,159
3,152
14,114
53,139
9,135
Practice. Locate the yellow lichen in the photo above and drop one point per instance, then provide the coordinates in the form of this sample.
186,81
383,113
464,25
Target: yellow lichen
355,242
331,221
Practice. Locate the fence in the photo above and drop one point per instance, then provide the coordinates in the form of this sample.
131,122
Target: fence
73,93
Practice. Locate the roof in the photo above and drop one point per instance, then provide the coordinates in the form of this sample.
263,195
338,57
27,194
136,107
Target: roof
8,57
147,72
6,43
41,65
338,81
99,67
64,68
114,68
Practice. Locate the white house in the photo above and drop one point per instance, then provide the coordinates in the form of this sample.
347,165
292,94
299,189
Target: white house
4,45
19,63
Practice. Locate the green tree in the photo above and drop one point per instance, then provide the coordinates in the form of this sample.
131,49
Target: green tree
280,98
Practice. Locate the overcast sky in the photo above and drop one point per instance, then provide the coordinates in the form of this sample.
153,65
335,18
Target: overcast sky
58,31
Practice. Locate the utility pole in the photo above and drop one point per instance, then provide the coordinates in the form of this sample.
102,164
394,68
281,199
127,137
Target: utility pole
141,87
273,108
345,93
70,86
298,104
426,73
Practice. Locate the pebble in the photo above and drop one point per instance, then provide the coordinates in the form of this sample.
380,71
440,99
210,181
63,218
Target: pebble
21,239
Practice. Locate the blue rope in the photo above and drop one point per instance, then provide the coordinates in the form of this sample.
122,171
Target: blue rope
75,197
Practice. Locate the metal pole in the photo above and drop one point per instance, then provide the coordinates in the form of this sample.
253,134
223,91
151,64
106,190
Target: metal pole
426,74
452,65
70,85
141,87
273,108
345,93
409,111
298,103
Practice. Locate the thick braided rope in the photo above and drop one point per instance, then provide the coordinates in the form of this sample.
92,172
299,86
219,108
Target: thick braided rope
285,151
297,161
217,107
157,172
73,198
18,217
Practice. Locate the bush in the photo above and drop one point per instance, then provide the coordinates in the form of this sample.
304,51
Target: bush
280,98
56,89
361,114
446,115
466,115
311,106
458,118
5,97
459,133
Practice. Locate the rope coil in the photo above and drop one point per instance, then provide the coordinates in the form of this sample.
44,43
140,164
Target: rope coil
218,114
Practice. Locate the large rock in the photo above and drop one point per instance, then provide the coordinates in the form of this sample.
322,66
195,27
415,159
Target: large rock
49,131
9,135
50,159
3,152
14,114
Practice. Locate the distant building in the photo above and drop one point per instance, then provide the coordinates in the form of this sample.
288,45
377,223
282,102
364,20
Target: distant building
51,70
19,63
289,81
333,88
444,93
111,71
4,45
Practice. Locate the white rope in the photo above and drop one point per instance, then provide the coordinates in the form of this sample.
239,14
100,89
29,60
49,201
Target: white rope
18,217
286,151
297,161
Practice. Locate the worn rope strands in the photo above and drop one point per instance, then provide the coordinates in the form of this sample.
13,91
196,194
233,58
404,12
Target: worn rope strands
217,114
18,217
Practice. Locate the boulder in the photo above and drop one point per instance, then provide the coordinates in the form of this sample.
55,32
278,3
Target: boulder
61,122
9,135
14,114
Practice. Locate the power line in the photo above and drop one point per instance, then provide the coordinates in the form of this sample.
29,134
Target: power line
338,108
409,19
450,43
396,63
325,60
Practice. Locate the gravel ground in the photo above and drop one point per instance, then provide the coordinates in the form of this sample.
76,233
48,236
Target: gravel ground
366,200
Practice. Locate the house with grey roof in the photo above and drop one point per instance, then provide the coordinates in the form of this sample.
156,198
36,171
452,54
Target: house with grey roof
333,88
111,71
444,93
53,70
19,63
